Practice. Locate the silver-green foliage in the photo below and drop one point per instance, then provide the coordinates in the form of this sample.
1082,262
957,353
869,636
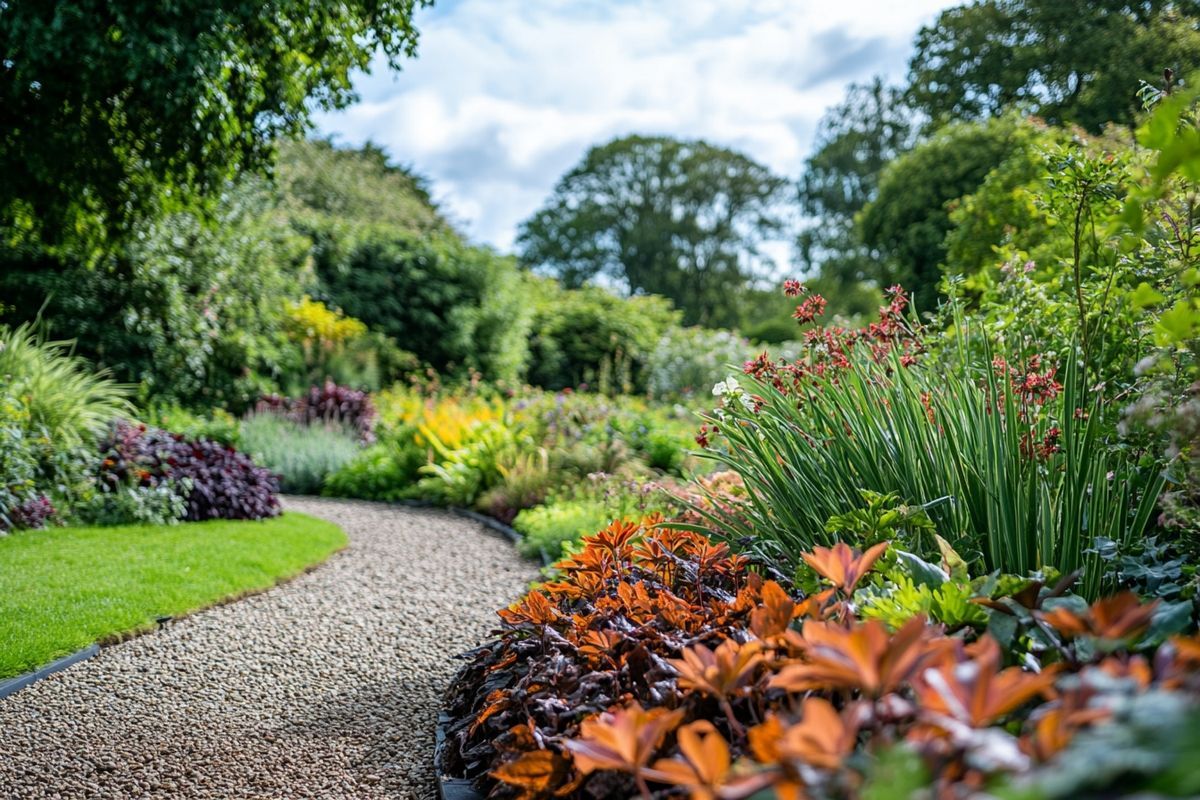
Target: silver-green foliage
302,455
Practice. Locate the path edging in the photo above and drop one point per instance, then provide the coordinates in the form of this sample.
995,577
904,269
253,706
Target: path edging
449,788
494,524
10,686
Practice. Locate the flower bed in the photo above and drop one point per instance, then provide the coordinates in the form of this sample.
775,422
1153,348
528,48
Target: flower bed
658,663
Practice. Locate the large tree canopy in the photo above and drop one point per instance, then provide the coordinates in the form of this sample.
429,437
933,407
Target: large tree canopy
910,216
108,106
683,219
1066,60
857,139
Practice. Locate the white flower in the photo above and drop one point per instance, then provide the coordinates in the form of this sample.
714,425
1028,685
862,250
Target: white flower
728,386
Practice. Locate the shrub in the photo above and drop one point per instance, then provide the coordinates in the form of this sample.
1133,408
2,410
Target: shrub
337,348
545,529
191,308
328,405
384,471
526,479
553,529
219,425
20,458
162,502
66,399
301,455
33,513
457,476
591,338
688,361
456,307
52,406
656,662
220,482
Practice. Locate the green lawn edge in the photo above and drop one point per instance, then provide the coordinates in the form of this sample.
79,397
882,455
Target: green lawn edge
62,589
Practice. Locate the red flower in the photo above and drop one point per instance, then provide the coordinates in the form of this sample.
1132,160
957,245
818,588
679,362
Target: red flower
793,288
812,307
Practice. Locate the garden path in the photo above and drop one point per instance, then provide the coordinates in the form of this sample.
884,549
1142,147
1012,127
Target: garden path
327,686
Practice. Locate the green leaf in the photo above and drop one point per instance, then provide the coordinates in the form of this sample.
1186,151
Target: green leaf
1179,323
921,571
1146,295
1168,620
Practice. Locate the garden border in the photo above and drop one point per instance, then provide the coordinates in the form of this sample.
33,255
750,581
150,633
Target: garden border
10,686
449,788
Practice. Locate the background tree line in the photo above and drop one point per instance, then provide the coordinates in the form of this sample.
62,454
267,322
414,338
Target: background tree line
182,256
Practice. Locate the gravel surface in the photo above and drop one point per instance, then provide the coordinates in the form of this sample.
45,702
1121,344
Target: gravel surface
327,686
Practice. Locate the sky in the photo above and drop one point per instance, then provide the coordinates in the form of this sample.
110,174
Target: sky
507,95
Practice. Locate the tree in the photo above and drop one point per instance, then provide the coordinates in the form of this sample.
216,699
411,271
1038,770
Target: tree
682,219
191,309
910,215
109,106
454,306
856,140
1069,62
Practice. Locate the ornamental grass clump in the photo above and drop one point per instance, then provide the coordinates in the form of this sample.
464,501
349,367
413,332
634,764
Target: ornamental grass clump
1011,460
658,663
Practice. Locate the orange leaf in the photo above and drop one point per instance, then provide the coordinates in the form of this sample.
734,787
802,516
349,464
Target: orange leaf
822,738
721,672
977,692
535,773
843,566
1122,616
623,739
775,614
863,657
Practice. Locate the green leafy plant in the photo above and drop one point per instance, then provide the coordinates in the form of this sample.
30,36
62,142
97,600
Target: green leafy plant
64,396
1021,459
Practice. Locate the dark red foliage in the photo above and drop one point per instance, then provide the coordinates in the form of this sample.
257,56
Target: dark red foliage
328,404
33,513
828,349
225,484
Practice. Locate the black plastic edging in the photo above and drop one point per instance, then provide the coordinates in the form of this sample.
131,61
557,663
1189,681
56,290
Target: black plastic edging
13,685
483,519
449,788
488,522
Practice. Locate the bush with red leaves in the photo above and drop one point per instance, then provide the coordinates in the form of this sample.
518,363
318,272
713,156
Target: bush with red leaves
33,513
224,483
328,404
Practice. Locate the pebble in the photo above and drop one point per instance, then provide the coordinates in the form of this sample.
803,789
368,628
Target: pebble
325,687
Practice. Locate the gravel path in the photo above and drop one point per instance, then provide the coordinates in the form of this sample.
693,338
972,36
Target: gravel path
326,687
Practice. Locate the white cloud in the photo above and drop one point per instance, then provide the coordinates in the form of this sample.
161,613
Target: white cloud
506,95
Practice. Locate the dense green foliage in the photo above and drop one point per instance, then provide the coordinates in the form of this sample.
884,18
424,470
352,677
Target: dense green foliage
907,220
1065,62
61,590
855,141
681,219
455,306
591,338
106,108
191,310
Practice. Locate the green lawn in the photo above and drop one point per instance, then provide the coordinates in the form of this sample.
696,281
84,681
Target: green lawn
62,589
